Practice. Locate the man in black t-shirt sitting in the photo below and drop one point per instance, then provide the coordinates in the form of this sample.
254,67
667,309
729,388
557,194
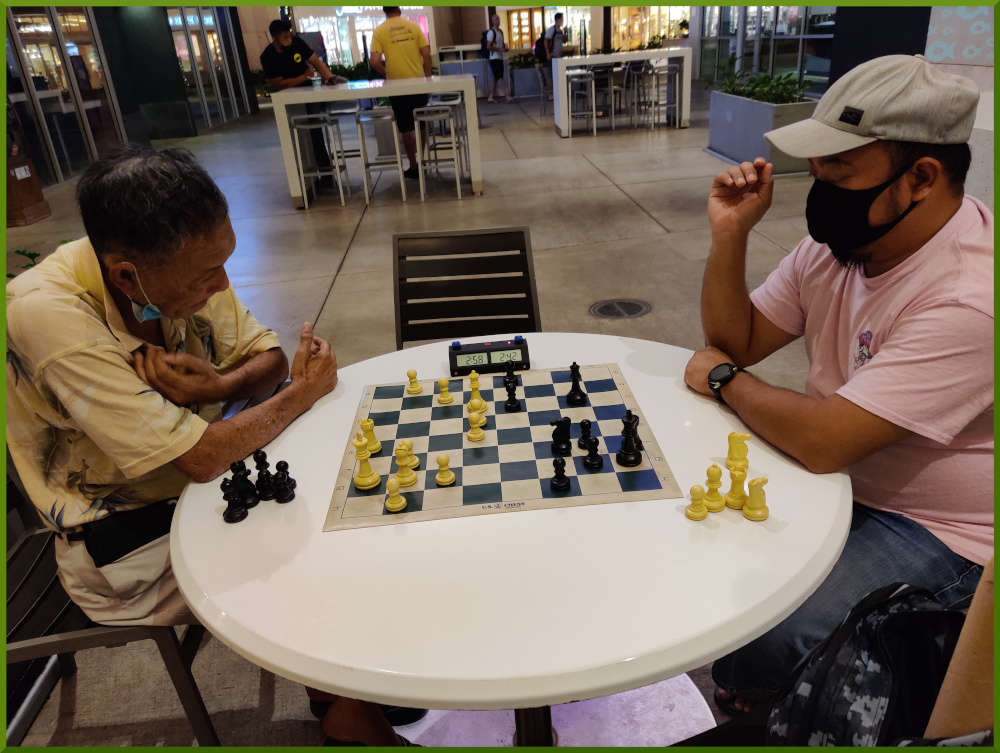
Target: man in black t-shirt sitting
286,63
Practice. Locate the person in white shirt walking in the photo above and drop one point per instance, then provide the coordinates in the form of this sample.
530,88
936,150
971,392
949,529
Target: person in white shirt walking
497,46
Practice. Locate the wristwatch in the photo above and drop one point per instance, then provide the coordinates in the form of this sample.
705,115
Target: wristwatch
720,376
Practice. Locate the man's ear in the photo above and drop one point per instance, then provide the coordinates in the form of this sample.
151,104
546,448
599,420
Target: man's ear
121,274
925,174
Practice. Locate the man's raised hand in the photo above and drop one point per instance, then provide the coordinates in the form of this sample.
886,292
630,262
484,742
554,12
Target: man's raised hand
740,197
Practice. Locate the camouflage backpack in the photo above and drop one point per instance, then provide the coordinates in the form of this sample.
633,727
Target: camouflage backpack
875,679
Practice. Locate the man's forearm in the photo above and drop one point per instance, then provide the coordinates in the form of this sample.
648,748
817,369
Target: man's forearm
288,83
377,64
258,377
789,420
320,66
726,311
235,438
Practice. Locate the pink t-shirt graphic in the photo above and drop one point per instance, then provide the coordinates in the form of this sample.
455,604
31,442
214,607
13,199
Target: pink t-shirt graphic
915,347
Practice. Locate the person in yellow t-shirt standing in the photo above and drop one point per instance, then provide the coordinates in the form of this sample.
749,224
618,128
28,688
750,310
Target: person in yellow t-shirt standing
400,50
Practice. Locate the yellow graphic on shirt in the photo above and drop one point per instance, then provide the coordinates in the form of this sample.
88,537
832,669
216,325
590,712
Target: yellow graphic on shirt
297,57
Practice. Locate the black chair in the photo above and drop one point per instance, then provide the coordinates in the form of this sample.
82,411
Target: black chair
464,283
42,622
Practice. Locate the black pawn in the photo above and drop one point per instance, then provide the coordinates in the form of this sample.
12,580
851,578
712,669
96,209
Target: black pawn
561,446
559,482
513,405
282,467
629,455
235,509
246,489
284,485
584,434
237,468
576,396
510,377
593,461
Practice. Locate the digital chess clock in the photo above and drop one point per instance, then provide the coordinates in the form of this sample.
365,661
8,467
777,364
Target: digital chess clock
488,357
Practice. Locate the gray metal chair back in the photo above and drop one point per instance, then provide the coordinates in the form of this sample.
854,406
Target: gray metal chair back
464,283
42,622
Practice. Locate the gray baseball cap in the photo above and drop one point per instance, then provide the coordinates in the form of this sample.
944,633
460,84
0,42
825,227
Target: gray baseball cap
891,98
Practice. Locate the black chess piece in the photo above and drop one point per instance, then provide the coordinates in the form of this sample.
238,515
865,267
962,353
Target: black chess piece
561,446
510,377
235,509
284,485
559,482
629,455
593,461
584,434
631,421
265,479
513,405
246,489
237,468
576,396
282,467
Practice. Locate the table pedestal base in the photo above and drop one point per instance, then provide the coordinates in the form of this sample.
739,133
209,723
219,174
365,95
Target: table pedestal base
533,727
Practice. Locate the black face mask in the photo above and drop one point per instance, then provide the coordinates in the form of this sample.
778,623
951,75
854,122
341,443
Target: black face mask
838,217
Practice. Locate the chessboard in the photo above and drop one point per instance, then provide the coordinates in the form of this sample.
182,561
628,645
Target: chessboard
510,469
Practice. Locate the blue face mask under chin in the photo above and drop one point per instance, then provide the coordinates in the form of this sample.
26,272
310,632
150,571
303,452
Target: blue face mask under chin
146,313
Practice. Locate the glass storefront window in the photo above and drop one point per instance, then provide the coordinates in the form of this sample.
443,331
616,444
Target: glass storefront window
343,27
789,20
23,134
635,26
821,20
710,26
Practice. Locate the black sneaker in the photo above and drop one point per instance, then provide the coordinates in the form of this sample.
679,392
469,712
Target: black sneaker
412,174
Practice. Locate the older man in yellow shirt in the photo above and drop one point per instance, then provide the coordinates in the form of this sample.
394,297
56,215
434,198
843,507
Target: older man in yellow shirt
400,50
121,349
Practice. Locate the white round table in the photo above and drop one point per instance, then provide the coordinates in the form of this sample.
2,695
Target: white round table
515,610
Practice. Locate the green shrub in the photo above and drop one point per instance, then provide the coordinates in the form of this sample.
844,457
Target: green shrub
778,90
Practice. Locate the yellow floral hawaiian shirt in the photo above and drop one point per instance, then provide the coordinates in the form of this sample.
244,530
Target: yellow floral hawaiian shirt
87,436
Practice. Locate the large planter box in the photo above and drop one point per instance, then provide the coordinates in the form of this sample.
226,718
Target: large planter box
525,82
736,128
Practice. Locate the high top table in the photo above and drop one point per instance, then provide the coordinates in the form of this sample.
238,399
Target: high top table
560,110
288,102
511,610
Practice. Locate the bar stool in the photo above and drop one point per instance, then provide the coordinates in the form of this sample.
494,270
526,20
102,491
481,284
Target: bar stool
667,78
637,85
580,83
332,136
378,163
604,84
454,100
434,115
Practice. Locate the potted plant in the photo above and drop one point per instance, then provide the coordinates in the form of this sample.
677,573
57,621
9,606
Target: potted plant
524,77
745,106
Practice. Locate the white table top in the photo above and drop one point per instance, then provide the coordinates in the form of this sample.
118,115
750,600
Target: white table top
376,88
510,610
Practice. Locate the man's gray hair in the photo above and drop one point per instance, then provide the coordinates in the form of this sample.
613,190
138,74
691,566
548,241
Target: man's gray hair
143,204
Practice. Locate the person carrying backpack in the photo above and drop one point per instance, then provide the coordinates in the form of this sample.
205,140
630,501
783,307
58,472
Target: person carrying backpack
549,46
497,47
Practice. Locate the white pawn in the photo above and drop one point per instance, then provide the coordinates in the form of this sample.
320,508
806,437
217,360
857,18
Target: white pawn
404,473
445,476
396,502
476,422
444,396
411,460
414,387
697,510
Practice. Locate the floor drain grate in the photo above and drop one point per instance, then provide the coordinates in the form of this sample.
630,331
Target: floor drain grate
620,309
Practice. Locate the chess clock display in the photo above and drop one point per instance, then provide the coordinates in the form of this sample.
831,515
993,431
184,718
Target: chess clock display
488,357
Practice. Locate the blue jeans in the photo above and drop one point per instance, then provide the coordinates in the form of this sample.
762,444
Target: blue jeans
882,548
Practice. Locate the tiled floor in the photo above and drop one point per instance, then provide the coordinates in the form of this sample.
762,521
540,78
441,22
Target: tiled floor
619,215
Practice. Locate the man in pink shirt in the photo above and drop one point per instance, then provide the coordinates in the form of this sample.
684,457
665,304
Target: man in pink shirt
893,292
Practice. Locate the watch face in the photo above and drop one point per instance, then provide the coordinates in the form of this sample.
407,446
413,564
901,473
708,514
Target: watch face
720,372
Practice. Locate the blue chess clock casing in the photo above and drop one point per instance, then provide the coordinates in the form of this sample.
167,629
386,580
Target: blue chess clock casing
488,357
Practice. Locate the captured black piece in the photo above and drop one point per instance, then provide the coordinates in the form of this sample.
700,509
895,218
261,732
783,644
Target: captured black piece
235,509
